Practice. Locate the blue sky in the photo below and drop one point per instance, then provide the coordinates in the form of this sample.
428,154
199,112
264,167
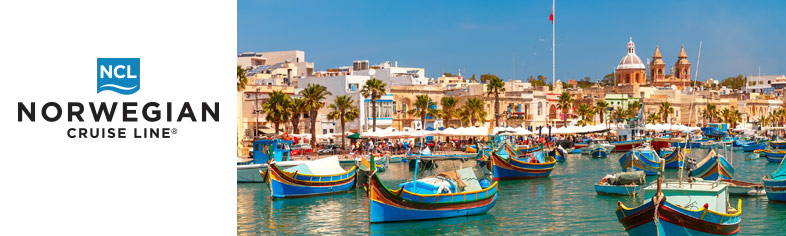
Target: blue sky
480,37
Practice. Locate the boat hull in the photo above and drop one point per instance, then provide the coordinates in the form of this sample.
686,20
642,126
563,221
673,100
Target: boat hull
754,147
400,205
511,168
598,154
776,189
715,168
778,145
288,185
673,220
626,190
625,146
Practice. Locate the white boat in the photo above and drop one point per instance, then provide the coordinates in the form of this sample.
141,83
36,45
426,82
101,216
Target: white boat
597,143
250,173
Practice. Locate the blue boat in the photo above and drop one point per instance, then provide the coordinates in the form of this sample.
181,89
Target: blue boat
263,151
778,144
320,177
753,146
532,165
674,157
713,167
644,159
559,154
739,142
676,207
626,190
773,155
430,198
625,183
598,152
775,184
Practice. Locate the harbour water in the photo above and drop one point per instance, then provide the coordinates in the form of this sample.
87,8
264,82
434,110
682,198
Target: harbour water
564,203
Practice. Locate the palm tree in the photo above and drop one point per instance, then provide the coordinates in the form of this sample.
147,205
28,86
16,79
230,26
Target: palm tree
565,102
276,108
241,78
633,108
496,86
665,110
585,111
652,118
710,112
296,108
373,89
343,109
620,114
424,106
600,108
313,95
448,108
473,111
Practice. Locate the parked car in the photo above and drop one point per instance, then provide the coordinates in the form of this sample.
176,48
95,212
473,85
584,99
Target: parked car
301,149
330,149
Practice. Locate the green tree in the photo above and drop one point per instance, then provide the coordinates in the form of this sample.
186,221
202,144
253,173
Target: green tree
343,110
540,81
665,110
710,112
373,89
600,108
736,82
473,111
495,87
276,109
296,107
424,106
473,79
608,80
448,74
313,95
633,108
653,118
484,78
565,102
448,108
585,111
585,83
242,80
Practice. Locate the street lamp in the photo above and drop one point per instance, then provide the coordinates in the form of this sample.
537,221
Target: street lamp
256,111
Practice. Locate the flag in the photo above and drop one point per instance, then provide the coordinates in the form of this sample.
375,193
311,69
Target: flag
551,16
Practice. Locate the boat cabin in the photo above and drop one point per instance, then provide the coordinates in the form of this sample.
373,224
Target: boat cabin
716,129
264,149
693,195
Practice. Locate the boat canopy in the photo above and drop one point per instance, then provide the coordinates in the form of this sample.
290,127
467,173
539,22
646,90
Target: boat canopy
325,166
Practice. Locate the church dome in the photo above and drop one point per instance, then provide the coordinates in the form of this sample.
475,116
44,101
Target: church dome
631,60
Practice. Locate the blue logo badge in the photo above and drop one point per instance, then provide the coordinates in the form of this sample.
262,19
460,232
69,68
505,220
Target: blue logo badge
120,75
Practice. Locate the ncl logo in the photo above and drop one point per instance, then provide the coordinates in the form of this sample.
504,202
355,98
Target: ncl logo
120,75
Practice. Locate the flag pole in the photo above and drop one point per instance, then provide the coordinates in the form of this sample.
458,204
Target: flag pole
553,48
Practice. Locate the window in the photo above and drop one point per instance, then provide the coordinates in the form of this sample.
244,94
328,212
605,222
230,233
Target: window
353,87
540,108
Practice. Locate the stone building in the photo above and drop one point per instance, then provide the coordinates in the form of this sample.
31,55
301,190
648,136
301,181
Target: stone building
630,69
679,75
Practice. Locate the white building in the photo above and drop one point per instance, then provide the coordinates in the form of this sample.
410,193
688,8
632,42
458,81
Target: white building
764,83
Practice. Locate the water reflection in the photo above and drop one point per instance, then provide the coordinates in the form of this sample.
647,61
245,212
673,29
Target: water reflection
564,203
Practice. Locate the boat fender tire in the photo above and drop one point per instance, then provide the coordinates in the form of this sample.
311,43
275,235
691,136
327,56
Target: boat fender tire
443,187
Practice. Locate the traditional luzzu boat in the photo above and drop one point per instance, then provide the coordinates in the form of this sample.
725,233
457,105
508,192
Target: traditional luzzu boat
643,158
319,177
559,154
624,146
528,166
773,155
451,194
673,209
625,183
753,146
594,144
674,157
664,142
775,184
713,167
264,150
779,144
